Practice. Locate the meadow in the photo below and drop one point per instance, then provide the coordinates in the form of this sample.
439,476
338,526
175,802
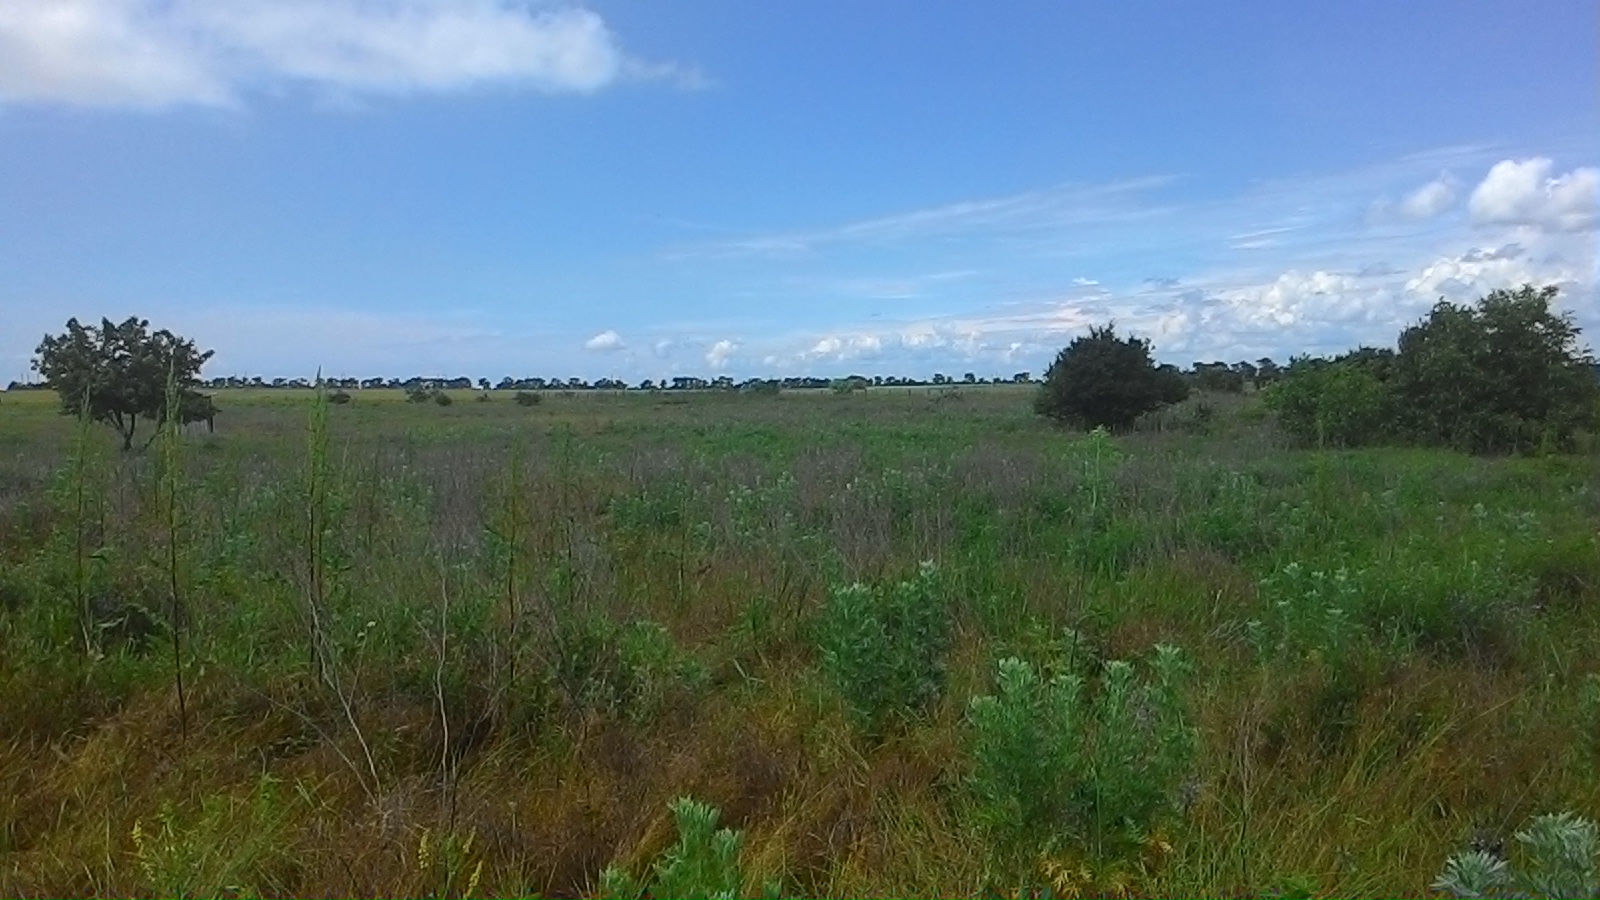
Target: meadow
384,648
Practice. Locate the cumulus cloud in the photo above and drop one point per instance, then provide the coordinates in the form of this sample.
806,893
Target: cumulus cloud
604,341
1290,298
159,53
720,353
1469,275
841,347
1526,193
1429,200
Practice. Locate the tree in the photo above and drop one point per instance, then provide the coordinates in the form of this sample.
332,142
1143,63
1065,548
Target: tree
1101,379
1506,374
117,374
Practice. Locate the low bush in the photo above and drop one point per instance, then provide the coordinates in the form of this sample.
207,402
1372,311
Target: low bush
703,863
884,647
1073,780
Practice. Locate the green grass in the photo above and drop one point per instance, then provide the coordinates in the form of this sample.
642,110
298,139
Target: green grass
536,627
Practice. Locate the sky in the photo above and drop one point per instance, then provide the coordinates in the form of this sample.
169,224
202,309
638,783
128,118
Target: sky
635,189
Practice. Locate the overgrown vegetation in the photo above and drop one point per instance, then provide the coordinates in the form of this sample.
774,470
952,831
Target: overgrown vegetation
889,644
1507,374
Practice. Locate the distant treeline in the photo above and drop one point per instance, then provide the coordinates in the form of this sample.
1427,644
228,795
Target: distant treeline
1207,376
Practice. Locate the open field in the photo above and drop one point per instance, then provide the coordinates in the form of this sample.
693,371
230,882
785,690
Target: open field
432,651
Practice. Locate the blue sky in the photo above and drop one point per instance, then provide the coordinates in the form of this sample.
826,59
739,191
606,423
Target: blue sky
635,189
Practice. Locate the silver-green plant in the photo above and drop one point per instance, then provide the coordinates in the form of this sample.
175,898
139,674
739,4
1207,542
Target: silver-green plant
1561,856
884,647
1058,768
703,863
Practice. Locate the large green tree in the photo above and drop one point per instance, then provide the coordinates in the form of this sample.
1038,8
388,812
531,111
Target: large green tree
1103,379
1505,374
118,374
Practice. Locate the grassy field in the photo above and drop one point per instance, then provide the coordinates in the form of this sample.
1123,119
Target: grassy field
479,649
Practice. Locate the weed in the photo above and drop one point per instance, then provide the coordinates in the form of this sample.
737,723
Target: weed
1059,774
703,863
884,646
1561,858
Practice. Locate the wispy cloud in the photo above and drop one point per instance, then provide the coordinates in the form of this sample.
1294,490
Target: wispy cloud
162,53
1282,268
1018,214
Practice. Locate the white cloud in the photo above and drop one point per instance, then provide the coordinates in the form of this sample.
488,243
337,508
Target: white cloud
1289,298
844,347
1429,200
1525,193
720,353
828,346
604,341
1469,275
157,53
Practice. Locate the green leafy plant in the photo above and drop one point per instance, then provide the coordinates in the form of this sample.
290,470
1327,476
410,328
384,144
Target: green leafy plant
1560,858
1077,785
884,647
703,863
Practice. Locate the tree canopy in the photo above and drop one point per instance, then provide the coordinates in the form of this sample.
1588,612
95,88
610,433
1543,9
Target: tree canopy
117,374
1102,379
1504,374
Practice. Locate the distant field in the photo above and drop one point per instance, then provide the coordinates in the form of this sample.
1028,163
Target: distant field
480,648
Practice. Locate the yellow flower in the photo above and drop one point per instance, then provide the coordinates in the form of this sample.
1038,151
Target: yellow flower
424,854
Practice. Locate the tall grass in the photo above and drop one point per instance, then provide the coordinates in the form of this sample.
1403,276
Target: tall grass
514,635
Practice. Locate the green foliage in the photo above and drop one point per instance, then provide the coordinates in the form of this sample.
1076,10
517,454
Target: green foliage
1506,374
226,847
1561,858
629,670
119,373
528,398
339,398
1341,403
884,646
1101,379
703,863
1058,768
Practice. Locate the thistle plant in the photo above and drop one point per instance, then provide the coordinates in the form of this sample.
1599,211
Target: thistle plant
1561,856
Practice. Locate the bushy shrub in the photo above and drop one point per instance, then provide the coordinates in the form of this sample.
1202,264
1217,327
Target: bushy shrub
1506,374
884,646
440,398
1104,380
703,863
628,670
1341,403
1058,766
339,398
528,398
1561,858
